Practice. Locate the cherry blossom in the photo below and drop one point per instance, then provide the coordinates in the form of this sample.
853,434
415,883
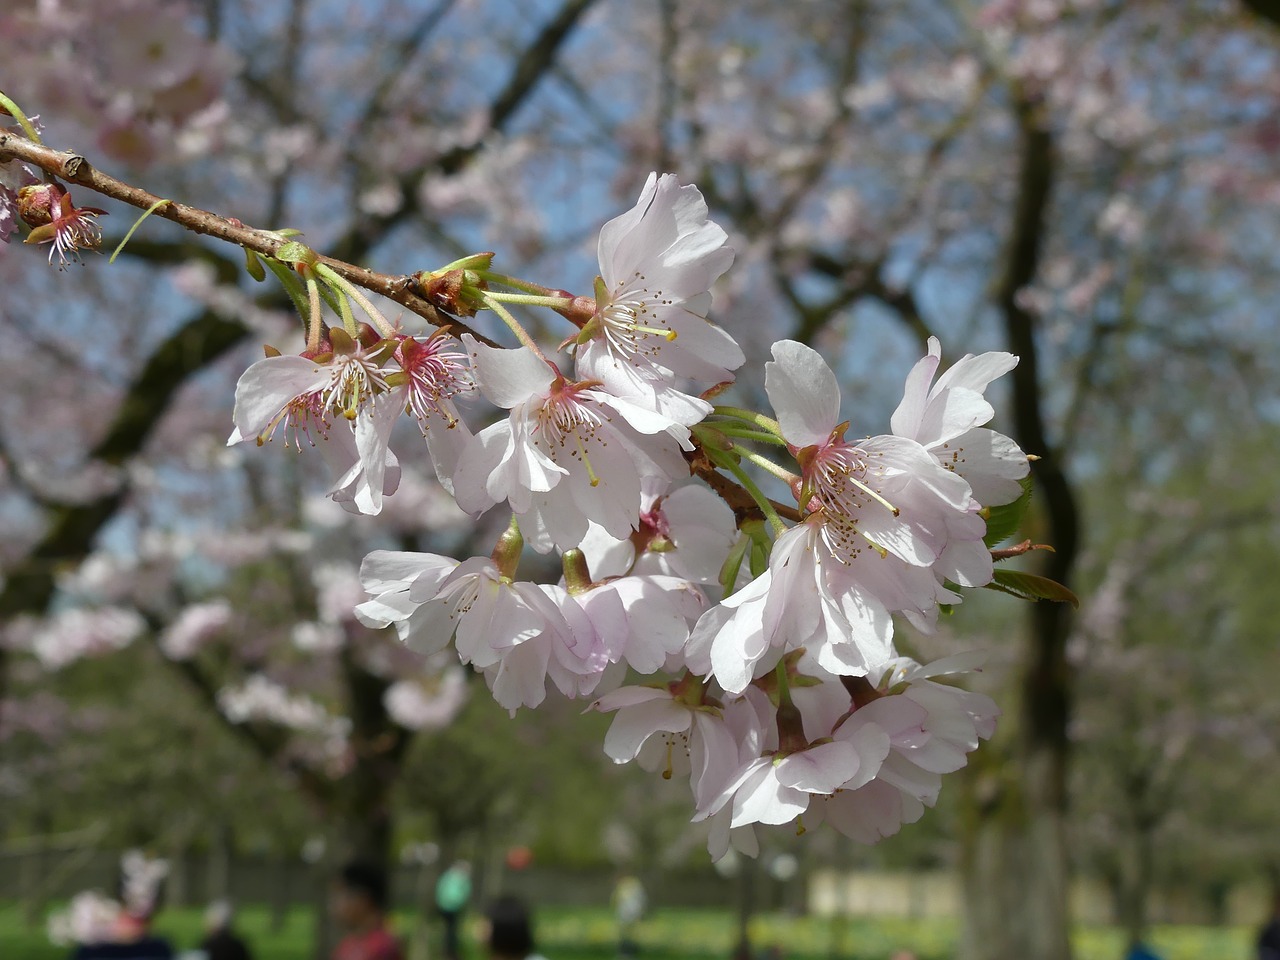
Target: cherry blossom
884,492
569,451
61,224
341,394
685,531
650,327
517,634
664,732
947,418
195,625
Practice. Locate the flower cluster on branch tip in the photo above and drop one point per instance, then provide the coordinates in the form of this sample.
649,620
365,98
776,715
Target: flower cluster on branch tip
762,632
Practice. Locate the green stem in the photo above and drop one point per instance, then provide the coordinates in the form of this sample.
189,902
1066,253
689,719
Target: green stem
28,127
744,478
528,286
313,298
750,416
521,333
784,684
136,224
733,564
732,429
764,463
529,299
385,327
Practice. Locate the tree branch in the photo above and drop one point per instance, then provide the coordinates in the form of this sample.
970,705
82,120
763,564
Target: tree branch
77,169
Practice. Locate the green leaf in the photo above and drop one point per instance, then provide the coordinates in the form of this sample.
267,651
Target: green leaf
253,263
1030,586
292,284
295,252
1003,521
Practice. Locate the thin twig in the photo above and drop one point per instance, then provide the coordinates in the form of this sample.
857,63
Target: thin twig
76,169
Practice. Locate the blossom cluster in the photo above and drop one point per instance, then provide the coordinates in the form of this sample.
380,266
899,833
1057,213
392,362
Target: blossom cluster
771,679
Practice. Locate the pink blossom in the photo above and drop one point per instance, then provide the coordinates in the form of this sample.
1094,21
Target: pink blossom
567,451
193,627
414,706
657,264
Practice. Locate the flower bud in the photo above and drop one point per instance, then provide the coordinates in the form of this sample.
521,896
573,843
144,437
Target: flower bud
38,203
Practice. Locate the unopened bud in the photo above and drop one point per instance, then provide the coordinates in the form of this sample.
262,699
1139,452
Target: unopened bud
39,203
506,553
577,576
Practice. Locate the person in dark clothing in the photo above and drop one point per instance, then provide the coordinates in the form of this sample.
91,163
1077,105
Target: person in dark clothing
510,935
1269,936
221,941
359,904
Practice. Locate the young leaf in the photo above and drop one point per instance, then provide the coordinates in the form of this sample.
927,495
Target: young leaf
1030,586
1003,521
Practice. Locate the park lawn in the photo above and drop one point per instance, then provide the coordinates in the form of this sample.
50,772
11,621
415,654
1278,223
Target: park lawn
589,934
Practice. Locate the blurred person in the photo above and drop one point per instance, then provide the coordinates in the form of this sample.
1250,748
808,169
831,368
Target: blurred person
358,902
1269,935
140,889
509,933
629,904
221,941
1140,951
453,892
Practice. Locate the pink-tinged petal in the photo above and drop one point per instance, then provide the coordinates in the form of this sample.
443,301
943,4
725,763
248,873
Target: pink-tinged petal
873,746
634,725
952,413
760,798
867,815
383,567
446,441
380,468
713,757
803,392
628,697
967,662
990,463
520,679
616,230
976,373
270,385
385,610
899,717
922,784
821,769
905,421
508,377
477,466
643,420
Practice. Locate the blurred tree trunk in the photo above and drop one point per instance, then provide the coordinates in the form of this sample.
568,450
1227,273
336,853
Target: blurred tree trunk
1136,876
1015,858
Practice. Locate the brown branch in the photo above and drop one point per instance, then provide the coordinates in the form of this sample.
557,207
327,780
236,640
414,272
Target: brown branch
76,169
741,502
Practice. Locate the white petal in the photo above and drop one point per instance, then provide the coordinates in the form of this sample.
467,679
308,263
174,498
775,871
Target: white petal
905,421
803,392
269,385
634,725
507,377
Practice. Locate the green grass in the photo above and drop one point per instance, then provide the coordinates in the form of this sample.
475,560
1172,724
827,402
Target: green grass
589,934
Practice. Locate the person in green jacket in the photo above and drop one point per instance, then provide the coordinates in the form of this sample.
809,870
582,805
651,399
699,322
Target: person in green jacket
453,890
